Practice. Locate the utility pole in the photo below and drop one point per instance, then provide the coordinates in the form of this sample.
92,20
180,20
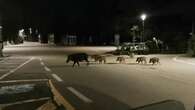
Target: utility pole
134,29
143,34
1,42
143,18
193,39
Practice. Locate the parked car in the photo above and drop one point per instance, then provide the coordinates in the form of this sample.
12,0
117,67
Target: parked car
129,48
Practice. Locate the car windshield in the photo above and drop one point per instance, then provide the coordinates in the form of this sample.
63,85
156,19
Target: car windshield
97,55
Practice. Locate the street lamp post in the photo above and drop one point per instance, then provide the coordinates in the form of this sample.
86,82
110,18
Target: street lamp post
1,42
143,18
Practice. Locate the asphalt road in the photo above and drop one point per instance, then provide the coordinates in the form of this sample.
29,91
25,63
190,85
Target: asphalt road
103,86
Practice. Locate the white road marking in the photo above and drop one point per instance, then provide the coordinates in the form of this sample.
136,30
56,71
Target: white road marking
47,69
55,76
7,66
2,70
40,59
30,80
79,95
181,61
25,101
15,60
12,71
42,64
59,99
10,63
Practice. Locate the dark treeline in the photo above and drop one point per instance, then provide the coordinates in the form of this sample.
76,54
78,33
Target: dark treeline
100,19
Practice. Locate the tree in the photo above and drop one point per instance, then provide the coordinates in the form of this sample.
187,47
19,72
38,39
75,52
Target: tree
135,32
191,42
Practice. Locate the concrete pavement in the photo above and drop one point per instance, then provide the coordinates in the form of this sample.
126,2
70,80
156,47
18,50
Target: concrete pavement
133,84
35,70
112,84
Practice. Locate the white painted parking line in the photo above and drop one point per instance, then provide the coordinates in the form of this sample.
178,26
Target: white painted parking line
30,80
3,70
42,64
12,71
10,63
7,66
15,59
56,77
41,59
79,95
47,69
25,101
181,61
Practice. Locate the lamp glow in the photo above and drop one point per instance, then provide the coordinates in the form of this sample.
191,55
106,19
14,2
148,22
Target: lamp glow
143,16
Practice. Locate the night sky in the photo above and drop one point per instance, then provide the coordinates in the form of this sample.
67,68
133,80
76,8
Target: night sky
96,16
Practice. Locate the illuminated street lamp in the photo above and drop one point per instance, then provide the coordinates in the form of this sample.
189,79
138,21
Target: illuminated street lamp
143,18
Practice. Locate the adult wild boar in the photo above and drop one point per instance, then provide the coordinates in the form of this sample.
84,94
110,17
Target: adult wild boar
154,60
120,59
77,57
99,58
141,60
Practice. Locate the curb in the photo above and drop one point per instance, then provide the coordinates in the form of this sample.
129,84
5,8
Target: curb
59,99
182,61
